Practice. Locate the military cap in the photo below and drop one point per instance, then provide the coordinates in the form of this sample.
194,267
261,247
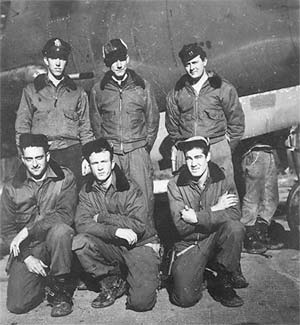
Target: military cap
33,140
56,48
115,49
190,51
193,142
97,145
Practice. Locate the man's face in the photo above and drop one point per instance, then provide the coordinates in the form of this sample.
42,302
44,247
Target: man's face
119,67
195,67
196,161
101,165
56,66
36,161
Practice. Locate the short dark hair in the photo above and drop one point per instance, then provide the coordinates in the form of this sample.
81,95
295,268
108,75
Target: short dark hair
33,140
96,146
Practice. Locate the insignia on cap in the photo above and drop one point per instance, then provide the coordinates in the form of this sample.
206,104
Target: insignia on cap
57,43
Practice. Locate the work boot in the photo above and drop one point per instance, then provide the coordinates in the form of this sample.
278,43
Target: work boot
270,235
221,290
59,295
276,236
237,279
252,243
109,292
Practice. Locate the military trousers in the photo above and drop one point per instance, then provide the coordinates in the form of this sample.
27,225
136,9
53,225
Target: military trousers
26,290
261,187
100,259
137,165
71,158
222,247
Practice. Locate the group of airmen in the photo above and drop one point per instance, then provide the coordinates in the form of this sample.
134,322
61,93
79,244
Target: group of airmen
57,225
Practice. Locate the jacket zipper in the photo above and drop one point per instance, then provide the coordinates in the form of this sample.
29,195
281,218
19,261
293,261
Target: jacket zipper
120,117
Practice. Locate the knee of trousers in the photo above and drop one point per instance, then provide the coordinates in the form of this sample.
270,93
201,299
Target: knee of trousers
187,297
234,228
81,243
60,232
140,300
22,302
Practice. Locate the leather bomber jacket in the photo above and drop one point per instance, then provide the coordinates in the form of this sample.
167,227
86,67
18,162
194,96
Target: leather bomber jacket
214,112
182,191
125,115
61,113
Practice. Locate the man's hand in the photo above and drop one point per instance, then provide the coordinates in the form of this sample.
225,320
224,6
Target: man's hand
127,234
85,167
34,265
189,215
225,201
15,244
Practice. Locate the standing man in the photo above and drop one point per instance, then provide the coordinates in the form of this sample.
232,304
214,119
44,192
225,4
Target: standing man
205,210
55,106
124,112
202,103
116,237
37,211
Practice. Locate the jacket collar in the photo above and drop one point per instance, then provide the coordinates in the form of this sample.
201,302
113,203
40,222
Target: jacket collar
121,182
132,76
42,80
185,178
55,172
214,81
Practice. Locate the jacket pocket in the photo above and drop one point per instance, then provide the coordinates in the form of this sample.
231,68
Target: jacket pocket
214,114
71,115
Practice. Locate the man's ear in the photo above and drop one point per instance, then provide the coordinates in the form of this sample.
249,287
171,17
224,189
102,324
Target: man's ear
127,59
208,156
47,156
205,62
113,164
46,61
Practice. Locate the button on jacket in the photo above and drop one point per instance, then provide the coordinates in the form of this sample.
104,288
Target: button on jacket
61,113
126,115
214,112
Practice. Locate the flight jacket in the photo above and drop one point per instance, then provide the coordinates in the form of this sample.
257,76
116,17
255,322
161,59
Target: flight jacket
182,191
122,205
37,206
214,112
125,115
61,113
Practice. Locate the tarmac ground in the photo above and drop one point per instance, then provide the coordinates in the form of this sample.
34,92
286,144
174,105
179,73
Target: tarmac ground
271,298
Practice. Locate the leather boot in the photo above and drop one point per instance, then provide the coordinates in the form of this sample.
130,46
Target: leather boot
111,288
60,291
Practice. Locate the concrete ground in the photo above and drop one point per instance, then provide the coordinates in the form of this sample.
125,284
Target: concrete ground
271,298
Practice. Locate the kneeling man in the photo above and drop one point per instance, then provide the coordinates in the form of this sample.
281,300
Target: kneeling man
117,238
205,210
37,211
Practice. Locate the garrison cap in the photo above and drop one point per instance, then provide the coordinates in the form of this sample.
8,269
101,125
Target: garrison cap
188,52
97,145
193,142
115,49
56,48
33,140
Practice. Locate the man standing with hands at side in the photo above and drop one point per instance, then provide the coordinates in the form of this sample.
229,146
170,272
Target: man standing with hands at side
202,103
